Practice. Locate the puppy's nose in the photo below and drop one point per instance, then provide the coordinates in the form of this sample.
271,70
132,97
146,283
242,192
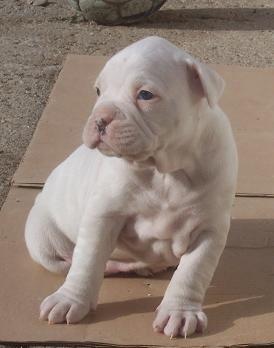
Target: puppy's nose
102,122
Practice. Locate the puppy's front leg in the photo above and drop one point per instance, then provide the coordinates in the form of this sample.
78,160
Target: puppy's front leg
180,312
79,293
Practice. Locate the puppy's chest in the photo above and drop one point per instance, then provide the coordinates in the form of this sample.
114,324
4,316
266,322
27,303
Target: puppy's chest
161,213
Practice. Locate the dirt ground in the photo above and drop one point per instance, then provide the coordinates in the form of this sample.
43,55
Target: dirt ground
35,40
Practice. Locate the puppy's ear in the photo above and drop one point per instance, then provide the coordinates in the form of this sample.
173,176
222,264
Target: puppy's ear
205,81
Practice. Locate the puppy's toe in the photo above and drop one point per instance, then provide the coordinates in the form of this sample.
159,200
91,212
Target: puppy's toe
189,324
58,313
76,313
47,305
160,321
174,325
179,323
201,322
59,308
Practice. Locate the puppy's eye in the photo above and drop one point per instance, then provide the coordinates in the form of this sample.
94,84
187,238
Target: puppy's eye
145,95
98,91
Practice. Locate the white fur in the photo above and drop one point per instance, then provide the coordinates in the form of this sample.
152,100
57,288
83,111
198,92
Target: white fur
157,192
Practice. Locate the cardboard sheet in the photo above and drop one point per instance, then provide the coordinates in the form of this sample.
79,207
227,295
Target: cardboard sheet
240,300
248,101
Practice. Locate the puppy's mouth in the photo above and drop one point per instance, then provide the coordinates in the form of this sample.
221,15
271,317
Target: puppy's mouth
106,148
114,150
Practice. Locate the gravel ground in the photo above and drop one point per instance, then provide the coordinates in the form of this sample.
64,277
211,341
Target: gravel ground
34,41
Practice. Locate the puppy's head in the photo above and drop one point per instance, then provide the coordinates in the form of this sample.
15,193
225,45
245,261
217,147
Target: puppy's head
148,100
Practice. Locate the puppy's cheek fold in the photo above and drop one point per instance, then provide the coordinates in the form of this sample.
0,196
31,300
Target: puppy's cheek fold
125,137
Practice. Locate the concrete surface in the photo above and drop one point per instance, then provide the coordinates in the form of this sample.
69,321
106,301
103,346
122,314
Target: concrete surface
34,41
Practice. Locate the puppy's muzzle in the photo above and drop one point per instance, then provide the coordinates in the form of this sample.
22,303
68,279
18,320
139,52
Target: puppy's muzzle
115,134
96,126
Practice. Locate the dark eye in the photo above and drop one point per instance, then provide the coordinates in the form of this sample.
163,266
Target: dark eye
98,91
145,95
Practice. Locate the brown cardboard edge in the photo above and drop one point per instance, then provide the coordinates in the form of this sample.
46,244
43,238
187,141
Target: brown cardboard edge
92,344
28,185
76,343
238,194
255,195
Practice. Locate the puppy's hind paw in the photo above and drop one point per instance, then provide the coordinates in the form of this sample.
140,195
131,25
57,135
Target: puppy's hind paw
179,323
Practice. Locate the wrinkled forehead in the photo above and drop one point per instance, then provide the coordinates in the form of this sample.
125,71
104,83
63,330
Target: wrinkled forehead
140,65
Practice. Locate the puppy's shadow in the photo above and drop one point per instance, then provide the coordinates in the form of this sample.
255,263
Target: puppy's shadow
112,310
221,315
242,288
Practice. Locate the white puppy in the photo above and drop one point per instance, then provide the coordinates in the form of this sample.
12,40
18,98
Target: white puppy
157,190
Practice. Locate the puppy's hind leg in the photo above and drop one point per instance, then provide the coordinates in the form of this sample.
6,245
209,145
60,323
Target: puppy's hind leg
46,244
138,267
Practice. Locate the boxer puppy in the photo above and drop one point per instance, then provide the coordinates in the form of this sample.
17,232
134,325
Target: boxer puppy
154,181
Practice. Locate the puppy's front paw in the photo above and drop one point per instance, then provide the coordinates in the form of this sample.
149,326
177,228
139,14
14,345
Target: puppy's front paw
179,323
59,308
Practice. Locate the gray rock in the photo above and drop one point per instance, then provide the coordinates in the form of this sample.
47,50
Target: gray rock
113,12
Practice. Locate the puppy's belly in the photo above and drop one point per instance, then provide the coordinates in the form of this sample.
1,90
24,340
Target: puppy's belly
154,240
